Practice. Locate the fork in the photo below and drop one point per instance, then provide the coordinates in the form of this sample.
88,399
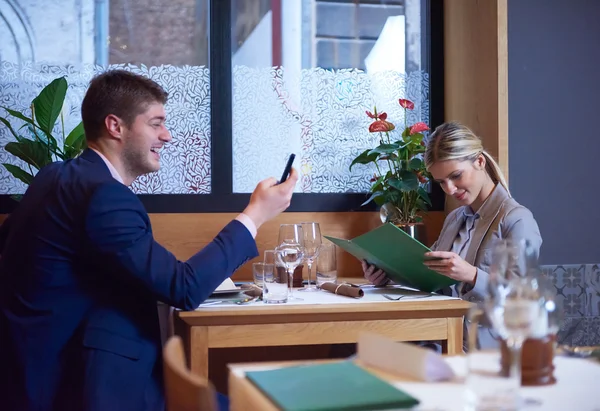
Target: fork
389,297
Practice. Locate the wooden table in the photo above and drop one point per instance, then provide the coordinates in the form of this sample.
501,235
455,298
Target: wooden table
575,388
284,325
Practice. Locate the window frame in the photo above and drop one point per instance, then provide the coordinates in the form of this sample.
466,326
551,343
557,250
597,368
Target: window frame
222,199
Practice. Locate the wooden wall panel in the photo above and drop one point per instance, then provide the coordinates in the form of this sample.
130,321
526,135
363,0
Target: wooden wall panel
476,72
185,234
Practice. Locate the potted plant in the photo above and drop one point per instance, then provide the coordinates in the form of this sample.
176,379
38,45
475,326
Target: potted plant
401,178
42,147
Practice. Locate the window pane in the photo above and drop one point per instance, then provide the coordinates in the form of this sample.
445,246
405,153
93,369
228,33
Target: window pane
305,72
80,38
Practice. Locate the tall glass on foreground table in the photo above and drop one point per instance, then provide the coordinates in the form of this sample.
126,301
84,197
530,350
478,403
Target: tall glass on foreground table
513,310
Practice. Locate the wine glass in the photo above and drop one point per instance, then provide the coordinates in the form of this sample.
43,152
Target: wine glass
312,246
290,251
514,305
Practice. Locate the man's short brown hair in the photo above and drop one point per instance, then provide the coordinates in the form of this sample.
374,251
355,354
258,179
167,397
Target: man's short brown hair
121,93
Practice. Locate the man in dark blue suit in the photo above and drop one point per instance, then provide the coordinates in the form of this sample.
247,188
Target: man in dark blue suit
81,274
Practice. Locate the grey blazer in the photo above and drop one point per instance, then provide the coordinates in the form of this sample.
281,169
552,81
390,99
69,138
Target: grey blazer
500,217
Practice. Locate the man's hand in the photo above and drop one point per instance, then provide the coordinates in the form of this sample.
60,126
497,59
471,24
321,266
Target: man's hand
451,265
374,275
269,199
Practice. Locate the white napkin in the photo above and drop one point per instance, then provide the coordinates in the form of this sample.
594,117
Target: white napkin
410,360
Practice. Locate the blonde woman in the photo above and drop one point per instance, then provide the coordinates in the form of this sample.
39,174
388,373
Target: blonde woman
457,161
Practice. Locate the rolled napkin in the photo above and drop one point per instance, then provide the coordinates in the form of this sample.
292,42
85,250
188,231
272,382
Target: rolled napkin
252,290
349,290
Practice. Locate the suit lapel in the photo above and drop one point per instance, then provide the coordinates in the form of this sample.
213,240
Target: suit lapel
487,215
448,235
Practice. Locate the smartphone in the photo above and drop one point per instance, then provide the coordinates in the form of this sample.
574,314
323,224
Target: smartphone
288,168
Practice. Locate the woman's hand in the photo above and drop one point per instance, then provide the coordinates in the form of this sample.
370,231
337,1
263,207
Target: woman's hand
451,265
374,275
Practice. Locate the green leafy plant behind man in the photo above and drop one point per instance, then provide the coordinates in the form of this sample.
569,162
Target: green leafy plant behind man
35,142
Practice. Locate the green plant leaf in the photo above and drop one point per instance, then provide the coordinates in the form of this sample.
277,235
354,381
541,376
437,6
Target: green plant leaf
19,173
415,163
42,136
385,149
9,126
407,182
75,135
363,158
34,153
19,115
406,133
417,138
376,184
374,196
424,196
75,142
49,103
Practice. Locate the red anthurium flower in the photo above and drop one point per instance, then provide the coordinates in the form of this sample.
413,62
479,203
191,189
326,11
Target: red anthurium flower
371,115
404,103
421,177
374,178
382,116
381,126
418,128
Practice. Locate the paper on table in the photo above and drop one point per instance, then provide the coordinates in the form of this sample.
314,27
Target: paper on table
401,358
227,285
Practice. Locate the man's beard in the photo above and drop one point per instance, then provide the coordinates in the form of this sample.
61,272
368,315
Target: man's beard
136,161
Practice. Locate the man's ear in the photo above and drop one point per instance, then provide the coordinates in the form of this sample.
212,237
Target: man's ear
115,126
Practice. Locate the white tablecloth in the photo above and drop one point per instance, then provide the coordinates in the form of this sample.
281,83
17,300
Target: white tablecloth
576,388
371,295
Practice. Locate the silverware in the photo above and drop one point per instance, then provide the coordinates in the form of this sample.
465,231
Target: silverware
580,352
399,297
247,300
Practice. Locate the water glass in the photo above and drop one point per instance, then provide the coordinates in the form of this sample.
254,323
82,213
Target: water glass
258,271
275,286
486,386
327,264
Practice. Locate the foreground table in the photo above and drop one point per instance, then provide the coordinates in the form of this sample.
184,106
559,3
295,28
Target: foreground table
575,388
320,319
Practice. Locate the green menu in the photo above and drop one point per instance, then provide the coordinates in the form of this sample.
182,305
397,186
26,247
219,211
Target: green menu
398,254
333,387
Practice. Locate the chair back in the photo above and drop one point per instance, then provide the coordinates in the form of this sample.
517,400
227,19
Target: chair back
184,391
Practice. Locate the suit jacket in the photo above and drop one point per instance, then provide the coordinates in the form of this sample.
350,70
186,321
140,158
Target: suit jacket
80,275
501,218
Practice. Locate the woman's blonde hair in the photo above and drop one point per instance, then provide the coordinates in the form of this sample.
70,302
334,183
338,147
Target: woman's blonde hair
454,141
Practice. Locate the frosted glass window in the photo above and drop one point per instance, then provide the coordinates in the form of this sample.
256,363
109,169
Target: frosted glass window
305,72
80,38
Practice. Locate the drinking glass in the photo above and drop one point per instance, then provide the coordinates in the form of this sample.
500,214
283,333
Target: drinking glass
312,245
327,264
486,386
290,251
275,286
514,310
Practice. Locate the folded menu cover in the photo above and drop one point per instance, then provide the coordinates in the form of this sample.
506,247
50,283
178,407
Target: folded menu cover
332,387
398,254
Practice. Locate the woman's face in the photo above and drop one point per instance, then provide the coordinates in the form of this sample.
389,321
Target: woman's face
461,179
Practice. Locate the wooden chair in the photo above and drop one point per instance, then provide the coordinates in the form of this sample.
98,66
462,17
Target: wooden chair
185,391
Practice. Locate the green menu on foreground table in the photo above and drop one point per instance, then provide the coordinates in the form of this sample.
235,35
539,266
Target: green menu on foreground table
398,254
332,387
